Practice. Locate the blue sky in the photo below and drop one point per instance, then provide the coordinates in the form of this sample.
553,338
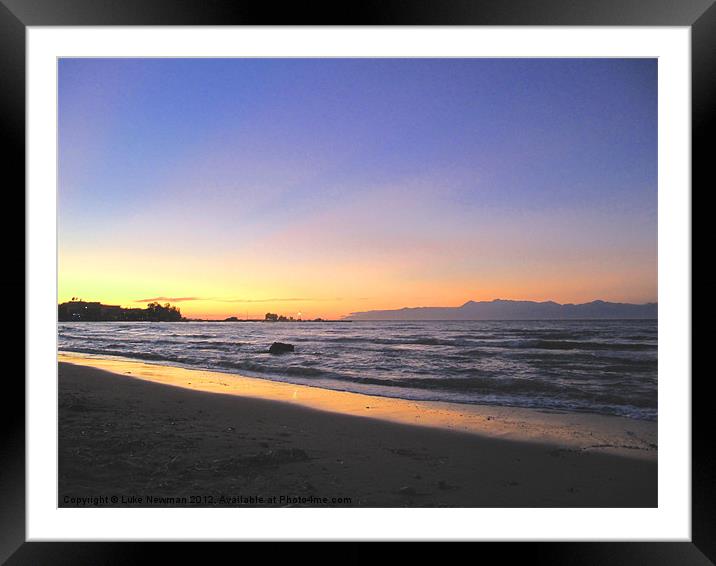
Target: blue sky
208,161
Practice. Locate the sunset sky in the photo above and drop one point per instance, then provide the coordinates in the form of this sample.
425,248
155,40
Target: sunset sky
328,186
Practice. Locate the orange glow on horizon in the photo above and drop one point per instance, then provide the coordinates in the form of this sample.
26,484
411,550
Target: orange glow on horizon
333,186
215,288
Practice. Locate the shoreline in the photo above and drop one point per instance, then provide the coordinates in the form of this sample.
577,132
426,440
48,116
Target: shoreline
573,430
132,440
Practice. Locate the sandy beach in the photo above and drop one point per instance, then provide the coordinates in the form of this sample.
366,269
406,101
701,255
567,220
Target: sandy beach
150,435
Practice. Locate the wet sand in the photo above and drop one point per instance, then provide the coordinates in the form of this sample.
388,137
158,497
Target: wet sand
151,435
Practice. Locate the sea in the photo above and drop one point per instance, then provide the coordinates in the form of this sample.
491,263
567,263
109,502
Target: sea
599,366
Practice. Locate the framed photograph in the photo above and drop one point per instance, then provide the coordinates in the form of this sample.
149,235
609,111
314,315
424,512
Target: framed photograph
423,273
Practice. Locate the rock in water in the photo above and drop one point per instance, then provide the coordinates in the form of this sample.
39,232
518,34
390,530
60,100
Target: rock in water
280,348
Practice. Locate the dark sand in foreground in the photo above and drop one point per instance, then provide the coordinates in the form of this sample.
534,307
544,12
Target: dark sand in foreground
130,438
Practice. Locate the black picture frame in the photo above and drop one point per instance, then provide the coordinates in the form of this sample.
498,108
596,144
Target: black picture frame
17,15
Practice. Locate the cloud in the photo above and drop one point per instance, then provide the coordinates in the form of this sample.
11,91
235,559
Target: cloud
222,300
168,299
275,300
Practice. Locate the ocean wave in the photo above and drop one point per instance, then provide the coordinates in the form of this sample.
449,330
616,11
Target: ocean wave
149,356
586,345
271,369
606,367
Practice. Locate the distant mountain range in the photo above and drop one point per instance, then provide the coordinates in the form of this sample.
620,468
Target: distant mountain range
515,310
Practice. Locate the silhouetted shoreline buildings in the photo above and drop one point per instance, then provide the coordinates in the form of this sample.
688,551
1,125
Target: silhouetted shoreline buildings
84,311
77,310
